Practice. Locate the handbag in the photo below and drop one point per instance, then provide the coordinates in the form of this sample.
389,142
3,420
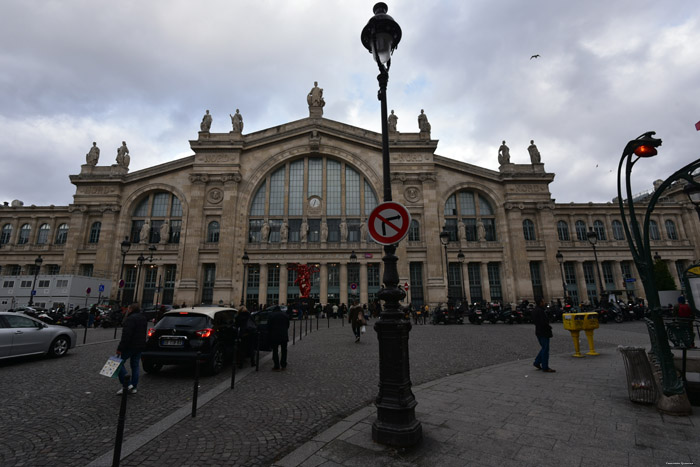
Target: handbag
111,368
362,329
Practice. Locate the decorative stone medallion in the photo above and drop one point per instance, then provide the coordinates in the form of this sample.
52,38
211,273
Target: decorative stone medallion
215,196
412,194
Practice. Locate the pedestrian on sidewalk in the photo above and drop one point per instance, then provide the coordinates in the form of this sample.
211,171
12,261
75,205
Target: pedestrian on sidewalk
278,333
356,319
543,331
132,343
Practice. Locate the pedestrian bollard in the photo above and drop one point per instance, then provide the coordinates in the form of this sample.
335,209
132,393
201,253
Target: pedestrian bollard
115,330
300,330
85,333
257,350
573,322
294,331
317,318
120,423
233,363
328,316
196,384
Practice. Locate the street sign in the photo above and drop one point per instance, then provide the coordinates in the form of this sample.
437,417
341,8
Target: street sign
33,292
101,288
405,286
388,223
630,279
88,291
121,283
353,286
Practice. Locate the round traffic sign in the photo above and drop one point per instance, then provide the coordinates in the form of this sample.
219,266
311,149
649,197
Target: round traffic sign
405,286
388,223
121,283
353,286
88,291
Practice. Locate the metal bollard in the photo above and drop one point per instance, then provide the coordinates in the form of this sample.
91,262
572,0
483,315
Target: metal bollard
233,363
318,316
85,333
120,424
115,330
196,384
294,331
257,350
328,317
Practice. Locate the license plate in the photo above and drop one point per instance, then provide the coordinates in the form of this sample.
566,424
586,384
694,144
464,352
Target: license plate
167,341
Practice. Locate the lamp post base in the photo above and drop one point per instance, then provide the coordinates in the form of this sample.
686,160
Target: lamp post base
406,432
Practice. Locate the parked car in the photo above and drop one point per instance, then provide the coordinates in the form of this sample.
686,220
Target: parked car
183,334
75,317
22,335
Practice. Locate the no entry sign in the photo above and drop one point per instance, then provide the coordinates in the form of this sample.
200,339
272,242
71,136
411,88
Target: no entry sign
388,223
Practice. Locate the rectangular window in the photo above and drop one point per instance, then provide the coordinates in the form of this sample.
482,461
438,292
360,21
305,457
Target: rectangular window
176,208
354,278
467,207
470,229
8,284
175,228
169,284
352,192
277,192
490,228
257,208
474,271
296,188
353,230
608,276
333,188
494,272
26,284
275,225
373,275
254,226
53,269
454,282
136,231
155,231
333,230
315,177
61,283
44,284
451,227
273,275
291,278
253,276
451,206
314,230
416,285
589,277
160,204
294,230
86,270
370,199
208,284
536,280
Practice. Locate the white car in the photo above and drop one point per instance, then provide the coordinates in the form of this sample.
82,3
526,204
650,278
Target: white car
22,335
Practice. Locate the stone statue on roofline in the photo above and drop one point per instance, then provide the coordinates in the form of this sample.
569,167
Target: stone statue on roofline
315,101
93,155
535,157
503,154
123,157
237,122
206,122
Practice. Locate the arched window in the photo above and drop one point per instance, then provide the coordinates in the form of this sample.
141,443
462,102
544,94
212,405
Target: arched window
563,231
24,232
618,231
471,208
61,234
43,237
529,230
319,193
213,232
95,232
414,231
581,231
6,234
162,211
599,228
671,232
654,233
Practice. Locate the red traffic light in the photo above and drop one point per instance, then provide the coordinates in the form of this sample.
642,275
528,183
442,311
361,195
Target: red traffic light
645,150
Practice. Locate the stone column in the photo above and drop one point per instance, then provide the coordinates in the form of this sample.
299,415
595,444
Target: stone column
344,283
363,283
228,264
619,280
323,287
188,270
262,288
485,286
284,276
581,283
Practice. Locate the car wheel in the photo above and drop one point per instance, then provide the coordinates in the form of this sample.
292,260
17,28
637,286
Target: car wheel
216,362
59,346
152,367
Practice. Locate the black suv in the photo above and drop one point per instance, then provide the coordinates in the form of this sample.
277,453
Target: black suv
184,333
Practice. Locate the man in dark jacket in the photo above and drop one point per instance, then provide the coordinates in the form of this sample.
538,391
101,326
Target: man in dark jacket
543,331
278,335
132,343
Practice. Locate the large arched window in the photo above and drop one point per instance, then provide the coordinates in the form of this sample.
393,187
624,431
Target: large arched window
581,231
563,231
6,234
213,232
618,231
61,234
414,231
43,237
599,228
327,197
671,232
95,232
470,208
529,230
654,233
24,232
163,213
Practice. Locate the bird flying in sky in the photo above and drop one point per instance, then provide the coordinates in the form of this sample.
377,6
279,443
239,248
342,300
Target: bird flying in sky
535,56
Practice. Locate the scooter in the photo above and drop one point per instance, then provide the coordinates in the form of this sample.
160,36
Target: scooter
475,315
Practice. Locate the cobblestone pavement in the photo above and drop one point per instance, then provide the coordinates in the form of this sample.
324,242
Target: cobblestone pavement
62,412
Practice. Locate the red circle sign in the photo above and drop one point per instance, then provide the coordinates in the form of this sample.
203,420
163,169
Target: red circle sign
405,286
388,223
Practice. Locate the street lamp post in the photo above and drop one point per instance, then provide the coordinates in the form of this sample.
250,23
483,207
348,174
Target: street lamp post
353,260
140,261
244,260
445,239
125,247
396,423
461,258
560,260
593,239
639,242
37,266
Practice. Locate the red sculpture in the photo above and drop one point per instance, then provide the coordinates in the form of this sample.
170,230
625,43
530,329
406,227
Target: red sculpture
304,272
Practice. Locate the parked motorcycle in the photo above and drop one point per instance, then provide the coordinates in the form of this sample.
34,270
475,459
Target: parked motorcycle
496,313
474,314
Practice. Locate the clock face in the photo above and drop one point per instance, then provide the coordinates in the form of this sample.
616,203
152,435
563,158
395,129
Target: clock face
314,202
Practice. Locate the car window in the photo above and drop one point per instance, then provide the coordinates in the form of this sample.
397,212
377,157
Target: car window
261,318
224,318
178,321
21,322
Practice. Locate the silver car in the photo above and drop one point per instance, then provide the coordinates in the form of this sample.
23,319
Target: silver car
23,335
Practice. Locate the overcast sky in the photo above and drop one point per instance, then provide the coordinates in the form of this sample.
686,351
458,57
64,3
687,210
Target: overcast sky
73,72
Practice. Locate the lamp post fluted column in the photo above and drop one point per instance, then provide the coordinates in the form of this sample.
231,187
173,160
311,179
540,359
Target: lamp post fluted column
560,260
37,266
124,246
396,423
593,240
244,281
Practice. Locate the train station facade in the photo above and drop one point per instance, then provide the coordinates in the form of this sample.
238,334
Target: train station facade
301,192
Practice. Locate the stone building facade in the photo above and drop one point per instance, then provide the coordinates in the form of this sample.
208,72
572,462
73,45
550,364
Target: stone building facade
301,192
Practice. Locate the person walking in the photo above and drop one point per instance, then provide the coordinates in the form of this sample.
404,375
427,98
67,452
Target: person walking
132,343
543,331
356,319
278,334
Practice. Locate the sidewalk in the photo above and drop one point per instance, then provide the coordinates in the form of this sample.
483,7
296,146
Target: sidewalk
514,415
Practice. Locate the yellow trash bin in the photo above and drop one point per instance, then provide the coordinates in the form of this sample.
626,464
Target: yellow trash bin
573,322
590,323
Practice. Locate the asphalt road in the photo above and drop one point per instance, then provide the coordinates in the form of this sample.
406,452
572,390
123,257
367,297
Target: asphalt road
62,412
